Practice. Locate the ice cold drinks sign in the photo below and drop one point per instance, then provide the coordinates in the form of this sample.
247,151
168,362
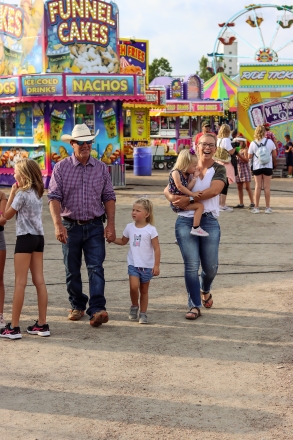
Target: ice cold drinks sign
82,21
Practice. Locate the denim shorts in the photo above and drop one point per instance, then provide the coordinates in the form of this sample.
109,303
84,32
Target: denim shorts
144,274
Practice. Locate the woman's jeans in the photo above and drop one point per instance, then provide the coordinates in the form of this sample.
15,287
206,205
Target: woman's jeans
198,250
89,239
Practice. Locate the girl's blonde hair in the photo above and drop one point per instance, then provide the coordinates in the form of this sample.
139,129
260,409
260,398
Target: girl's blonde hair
184,159
149,207
31,176
259,133
224,131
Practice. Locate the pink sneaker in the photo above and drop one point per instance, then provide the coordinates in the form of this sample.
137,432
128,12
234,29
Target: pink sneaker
200,232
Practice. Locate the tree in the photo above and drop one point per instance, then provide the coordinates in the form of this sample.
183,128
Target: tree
204,73
159,67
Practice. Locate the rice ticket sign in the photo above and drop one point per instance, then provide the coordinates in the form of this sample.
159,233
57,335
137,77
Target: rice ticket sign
99,86
82,36
277,76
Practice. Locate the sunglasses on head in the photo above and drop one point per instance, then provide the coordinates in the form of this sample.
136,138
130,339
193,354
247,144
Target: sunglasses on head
80,143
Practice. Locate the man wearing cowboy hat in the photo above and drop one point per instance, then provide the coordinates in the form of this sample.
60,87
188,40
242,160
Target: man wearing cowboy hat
206,128
80,194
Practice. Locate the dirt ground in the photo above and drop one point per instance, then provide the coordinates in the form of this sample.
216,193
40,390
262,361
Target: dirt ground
226,376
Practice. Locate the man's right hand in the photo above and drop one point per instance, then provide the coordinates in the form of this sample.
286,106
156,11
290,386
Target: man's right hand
61,233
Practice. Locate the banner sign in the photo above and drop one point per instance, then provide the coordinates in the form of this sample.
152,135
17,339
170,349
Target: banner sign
194,88
134,57
99,86
207,107
38,85
82,36
140,85
278,76
8,87
152,96
178,107
274,112
21,36
176,89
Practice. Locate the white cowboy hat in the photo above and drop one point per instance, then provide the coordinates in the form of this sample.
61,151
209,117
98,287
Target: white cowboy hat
81,132
239,139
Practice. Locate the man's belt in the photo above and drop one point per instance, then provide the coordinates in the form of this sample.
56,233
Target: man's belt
82,222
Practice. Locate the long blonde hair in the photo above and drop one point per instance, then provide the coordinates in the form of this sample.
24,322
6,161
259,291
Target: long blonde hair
184,159
31,176
224,131
259,133
149,207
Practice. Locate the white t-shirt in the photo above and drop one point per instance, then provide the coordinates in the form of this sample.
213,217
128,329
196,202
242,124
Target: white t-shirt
141,251
224,143
29,213
215,172
253,150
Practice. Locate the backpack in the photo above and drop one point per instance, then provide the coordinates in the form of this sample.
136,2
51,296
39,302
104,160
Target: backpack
264,155
222,154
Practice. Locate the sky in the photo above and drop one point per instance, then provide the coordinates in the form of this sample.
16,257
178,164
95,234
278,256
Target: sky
184,30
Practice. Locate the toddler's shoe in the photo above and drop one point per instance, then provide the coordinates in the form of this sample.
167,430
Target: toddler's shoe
2,321
200,232
10,333
133,313
40,330
143,319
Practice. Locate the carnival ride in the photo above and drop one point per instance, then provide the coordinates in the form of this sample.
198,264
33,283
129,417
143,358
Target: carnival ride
256,17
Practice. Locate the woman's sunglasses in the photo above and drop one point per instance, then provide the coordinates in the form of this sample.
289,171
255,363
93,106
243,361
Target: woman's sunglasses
80,143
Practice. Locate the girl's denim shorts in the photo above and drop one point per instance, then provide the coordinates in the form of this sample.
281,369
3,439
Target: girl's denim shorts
144,274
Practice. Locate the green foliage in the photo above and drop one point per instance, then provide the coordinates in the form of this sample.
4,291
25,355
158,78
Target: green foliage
159,67
203,72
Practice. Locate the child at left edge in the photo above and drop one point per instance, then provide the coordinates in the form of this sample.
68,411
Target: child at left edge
143,256
26,202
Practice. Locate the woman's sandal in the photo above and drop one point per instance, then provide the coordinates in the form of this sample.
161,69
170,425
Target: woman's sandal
207,303
193,315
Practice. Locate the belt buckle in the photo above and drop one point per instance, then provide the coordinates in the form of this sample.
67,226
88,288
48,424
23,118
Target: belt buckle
80,223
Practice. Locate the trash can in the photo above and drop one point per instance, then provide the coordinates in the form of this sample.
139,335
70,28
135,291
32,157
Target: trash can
142,161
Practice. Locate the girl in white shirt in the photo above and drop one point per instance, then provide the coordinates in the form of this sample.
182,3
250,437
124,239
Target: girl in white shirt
143,256
262,172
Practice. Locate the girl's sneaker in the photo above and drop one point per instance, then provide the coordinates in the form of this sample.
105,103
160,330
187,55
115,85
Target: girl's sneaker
10,333
2,321
133,313
255,211
200,232
143,318
40,330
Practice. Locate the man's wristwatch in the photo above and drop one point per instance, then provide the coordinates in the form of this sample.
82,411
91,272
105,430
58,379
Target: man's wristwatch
191,200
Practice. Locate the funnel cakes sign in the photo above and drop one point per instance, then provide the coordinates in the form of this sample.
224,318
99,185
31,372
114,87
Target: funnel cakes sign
11,19
82,36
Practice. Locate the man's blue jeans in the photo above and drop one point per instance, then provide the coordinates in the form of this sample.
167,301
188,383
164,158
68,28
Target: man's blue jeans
89,239
198,250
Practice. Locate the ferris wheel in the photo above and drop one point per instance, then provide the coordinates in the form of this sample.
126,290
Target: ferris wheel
267,37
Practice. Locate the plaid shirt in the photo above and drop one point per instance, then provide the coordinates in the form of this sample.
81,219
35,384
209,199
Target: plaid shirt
81,190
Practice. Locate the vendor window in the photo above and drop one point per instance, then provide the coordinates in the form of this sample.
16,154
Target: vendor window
16,121
84,114
184,122
168,123
194,125
127,123
155,125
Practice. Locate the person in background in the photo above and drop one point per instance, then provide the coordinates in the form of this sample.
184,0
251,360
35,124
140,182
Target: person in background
244,174
223,157
80,194
289,155
270,135
262,172
206,128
